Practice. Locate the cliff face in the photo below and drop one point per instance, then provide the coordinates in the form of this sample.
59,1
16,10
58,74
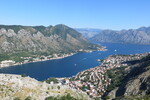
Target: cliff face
15,86
57,39
132,36
136,83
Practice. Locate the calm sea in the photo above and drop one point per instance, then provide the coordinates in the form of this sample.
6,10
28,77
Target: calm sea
70,66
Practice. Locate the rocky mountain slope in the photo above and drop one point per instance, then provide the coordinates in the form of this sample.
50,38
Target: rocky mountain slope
88,32
51,39
136,84
131,36
16,86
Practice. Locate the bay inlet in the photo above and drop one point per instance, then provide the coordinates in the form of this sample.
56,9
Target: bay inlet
71,65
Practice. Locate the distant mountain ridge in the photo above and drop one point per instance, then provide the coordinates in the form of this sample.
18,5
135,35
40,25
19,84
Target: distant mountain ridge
88,32
131,36
51,39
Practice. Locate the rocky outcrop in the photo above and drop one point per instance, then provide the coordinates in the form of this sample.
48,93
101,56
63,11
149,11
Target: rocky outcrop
137,82
16,86
51,39
132,36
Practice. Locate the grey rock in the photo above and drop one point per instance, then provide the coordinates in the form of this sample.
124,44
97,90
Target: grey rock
52,39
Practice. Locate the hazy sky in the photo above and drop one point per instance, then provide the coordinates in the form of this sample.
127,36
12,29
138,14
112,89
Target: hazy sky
103,14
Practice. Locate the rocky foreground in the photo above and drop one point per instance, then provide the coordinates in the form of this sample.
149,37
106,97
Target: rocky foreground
16,86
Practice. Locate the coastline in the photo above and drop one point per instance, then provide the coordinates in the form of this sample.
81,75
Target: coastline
96,70
39,60
94,81
5,63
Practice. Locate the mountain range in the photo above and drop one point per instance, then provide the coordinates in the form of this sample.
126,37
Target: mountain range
131,36
37,39
88,32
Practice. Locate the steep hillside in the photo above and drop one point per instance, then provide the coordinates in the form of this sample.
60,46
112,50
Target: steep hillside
16,87
136,84
35,39
118,77
132,36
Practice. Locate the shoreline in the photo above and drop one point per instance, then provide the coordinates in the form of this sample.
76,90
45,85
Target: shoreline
46,58
55,58
97,75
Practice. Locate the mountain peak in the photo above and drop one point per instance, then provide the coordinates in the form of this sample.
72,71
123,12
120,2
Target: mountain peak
131,36
52,39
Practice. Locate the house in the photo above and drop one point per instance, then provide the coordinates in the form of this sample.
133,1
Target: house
7,63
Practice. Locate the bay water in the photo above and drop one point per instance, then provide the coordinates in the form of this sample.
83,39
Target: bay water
70,66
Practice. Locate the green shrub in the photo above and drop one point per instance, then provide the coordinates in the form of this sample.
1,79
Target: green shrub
17,98
107,97
23,75
49,80
66,97
58,87
28,98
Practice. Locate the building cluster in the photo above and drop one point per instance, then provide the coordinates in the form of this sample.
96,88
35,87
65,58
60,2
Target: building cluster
121,60
7,63
44,58
94,81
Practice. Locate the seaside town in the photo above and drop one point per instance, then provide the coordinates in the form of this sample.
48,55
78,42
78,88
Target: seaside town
94,81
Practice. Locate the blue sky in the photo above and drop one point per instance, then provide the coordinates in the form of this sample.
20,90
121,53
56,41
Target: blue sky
103,14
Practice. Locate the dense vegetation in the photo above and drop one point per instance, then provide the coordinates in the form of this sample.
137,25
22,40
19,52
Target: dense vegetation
52,79
66,97
27,98
116,75
146,97
17,56
126,79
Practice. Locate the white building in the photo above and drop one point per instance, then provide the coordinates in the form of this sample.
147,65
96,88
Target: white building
7,63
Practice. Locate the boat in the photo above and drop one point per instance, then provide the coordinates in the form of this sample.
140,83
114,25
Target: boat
98,60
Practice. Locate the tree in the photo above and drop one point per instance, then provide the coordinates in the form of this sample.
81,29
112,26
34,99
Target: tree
28,98
58,87
49,80
107,97
23,75
17,98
